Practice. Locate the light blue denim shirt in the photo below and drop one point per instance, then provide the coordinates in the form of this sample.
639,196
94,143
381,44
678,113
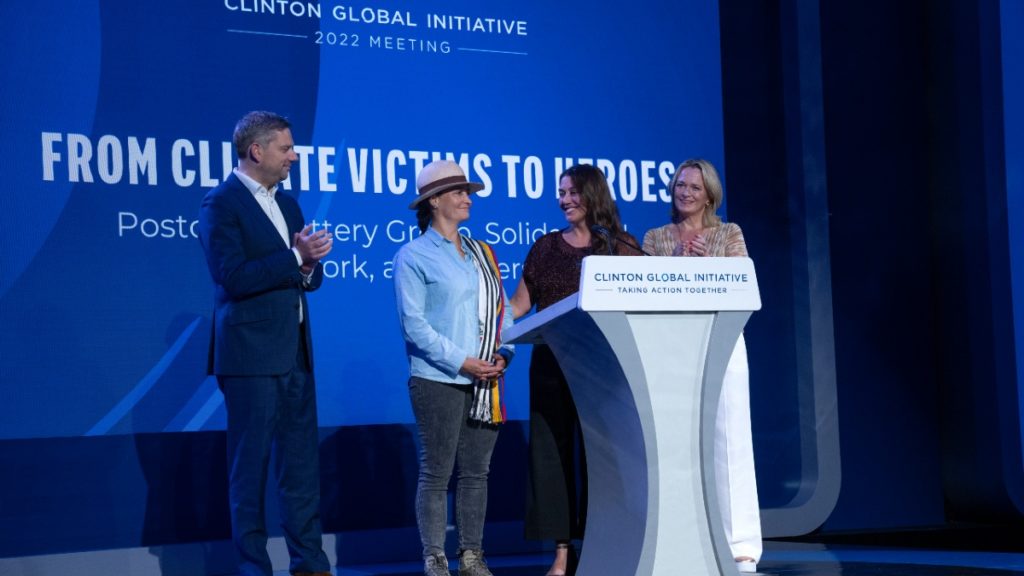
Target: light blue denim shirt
437,293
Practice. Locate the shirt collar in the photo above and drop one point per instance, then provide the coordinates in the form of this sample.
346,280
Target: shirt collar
253,186
435,236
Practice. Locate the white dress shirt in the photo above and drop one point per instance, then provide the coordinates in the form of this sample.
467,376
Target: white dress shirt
265,198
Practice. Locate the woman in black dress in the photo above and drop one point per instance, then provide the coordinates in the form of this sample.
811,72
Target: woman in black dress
554,509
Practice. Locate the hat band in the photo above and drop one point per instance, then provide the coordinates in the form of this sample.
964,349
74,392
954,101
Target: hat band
443,182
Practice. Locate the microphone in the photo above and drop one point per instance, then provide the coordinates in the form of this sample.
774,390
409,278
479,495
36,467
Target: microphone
603,231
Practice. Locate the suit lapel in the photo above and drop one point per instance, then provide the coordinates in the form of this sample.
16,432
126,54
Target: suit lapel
255,212
290,209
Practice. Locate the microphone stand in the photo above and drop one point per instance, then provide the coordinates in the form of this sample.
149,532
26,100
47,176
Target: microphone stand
602,231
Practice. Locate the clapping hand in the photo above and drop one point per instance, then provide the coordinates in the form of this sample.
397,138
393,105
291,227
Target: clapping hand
697,246
312,246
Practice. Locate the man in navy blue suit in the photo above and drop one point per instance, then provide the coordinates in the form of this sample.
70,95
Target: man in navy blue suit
263,261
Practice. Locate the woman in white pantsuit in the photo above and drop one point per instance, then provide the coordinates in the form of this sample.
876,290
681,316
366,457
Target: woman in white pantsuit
697,231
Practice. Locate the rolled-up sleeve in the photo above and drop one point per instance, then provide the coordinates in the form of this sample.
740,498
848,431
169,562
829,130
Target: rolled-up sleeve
424,339
507,320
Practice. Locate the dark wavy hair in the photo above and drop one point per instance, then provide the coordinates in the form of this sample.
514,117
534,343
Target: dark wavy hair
596,197
424,215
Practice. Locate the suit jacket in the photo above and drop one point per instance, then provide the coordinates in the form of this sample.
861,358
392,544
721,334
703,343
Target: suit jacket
258,283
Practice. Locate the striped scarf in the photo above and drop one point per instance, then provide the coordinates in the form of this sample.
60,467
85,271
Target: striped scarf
488,396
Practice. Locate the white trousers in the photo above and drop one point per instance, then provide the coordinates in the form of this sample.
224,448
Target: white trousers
734,459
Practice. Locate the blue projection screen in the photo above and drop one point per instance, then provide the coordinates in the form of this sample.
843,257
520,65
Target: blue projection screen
117,119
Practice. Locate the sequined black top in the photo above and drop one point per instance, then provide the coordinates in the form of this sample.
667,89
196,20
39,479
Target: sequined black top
552,268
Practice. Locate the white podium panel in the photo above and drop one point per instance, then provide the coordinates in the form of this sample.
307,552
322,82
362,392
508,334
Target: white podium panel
666,283
646,384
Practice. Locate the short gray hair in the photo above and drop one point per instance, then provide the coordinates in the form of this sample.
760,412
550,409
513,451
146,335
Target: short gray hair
257,126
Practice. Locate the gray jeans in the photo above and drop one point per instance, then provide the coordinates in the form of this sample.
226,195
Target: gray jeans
448,436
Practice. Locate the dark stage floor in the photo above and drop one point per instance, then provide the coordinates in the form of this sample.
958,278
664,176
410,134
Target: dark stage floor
791,559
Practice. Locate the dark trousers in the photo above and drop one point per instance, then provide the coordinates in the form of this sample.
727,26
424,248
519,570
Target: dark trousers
448,437
555,509
274,414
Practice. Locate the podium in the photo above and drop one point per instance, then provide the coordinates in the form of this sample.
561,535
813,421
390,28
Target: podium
644,346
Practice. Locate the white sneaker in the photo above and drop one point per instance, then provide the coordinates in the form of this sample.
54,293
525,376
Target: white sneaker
746,567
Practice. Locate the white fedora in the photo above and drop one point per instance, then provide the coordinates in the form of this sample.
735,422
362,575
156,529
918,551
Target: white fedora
441,176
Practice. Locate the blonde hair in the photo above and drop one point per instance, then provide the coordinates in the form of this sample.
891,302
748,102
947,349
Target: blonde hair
712,187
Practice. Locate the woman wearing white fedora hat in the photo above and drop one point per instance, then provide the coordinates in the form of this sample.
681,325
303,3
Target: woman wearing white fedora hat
452,309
